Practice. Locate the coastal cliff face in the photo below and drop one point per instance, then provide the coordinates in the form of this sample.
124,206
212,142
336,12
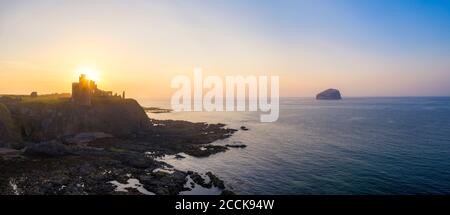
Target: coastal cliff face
9,132
46,121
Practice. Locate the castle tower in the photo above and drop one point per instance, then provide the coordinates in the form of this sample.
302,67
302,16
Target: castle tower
85,90
81,91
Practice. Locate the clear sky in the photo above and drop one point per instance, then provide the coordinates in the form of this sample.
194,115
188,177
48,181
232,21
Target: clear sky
362,47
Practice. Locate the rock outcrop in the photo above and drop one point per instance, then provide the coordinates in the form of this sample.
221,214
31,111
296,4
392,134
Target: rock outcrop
10,136
48,149
330,94
47,121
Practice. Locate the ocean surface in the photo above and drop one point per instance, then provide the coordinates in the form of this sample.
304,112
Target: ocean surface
352,146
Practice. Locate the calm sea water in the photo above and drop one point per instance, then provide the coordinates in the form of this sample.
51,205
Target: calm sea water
352,146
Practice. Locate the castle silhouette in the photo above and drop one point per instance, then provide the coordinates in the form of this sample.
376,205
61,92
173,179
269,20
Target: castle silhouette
85,89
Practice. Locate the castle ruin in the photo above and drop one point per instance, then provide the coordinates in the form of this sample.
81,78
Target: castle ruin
85,89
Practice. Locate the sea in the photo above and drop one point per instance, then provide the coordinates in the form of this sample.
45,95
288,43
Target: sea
398,145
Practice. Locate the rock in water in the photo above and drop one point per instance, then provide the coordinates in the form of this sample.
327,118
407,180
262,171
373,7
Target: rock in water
330,94
244,128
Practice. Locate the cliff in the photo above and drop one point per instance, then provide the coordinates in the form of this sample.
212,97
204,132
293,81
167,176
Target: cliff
42,121
10,136
330,94
111,134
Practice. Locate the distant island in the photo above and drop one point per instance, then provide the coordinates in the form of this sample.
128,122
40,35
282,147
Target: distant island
329,94
91,141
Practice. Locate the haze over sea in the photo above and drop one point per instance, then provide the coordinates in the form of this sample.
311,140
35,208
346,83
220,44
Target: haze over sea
353,146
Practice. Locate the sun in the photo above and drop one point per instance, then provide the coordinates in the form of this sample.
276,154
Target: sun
90,72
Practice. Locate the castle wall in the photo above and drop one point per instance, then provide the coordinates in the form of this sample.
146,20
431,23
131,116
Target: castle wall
81,91
85,89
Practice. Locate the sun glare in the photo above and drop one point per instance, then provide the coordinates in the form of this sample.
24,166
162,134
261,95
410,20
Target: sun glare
90,72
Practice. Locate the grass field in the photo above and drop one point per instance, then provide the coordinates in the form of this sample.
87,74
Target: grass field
46,99
51,99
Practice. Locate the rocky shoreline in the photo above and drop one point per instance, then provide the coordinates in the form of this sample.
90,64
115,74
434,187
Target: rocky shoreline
63,167
57,158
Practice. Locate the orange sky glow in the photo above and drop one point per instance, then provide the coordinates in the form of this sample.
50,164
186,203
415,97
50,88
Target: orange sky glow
140,46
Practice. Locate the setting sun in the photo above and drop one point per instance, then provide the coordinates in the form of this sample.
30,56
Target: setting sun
90,72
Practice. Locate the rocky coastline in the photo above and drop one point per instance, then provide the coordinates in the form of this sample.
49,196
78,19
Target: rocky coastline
69,150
